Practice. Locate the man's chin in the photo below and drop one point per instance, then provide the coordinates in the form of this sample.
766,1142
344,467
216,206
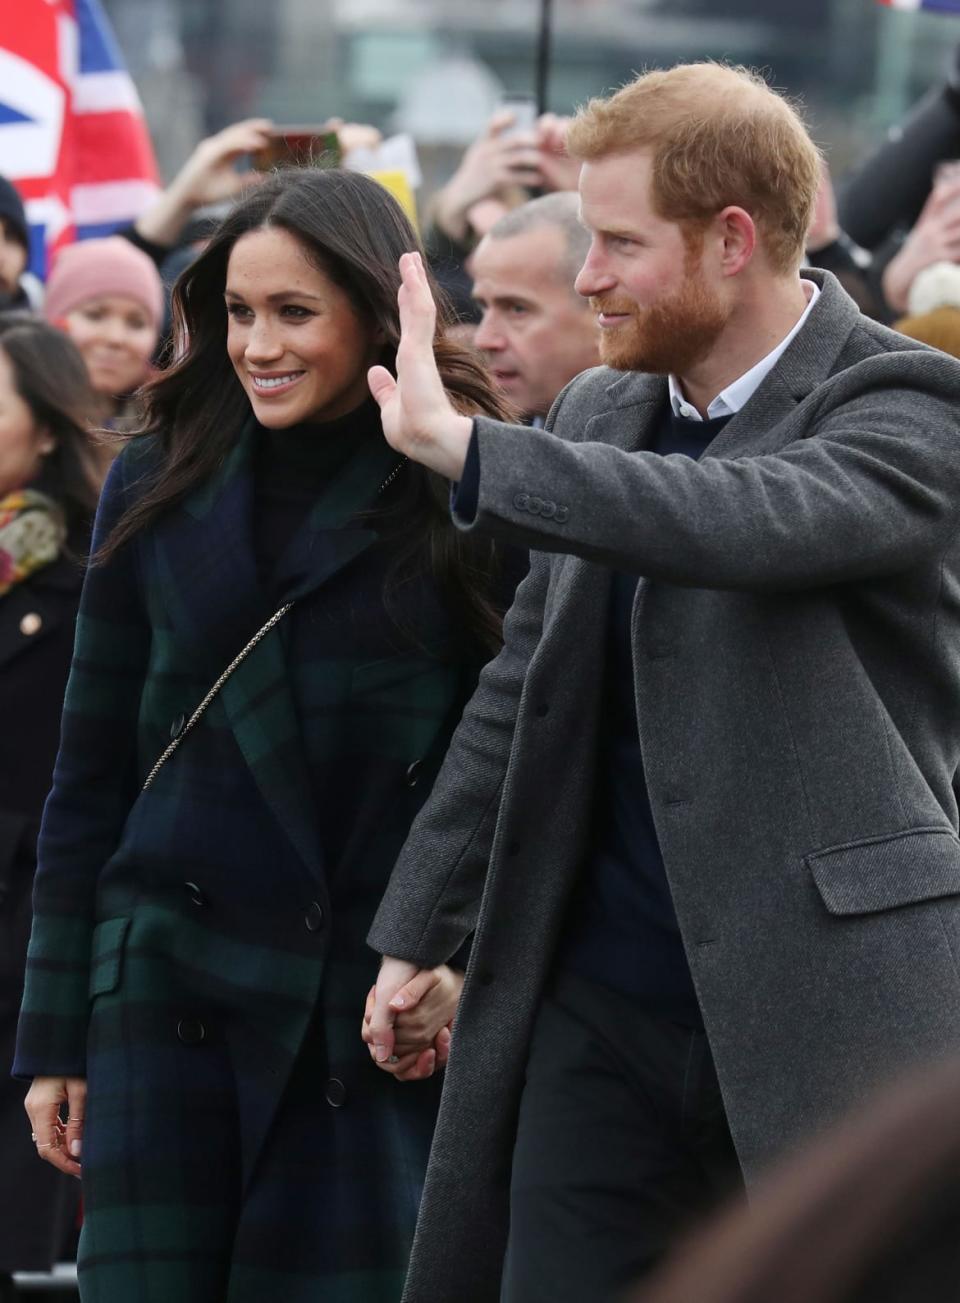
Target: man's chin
627,358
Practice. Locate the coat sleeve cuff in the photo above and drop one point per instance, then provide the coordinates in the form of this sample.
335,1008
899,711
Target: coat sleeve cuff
465,495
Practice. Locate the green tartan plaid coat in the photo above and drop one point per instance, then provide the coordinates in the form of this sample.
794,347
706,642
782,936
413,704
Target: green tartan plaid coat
198,949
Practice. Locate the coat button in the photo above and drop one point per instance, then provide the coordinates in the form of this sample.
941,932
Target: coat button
314,917
177,727
413,773
195,893
548,510
536,506
522,501
336,1093
30,624
562,515
191,1031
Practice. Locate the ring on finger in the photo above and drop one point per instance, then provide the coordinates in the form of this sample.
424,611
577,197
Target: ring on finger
394,1058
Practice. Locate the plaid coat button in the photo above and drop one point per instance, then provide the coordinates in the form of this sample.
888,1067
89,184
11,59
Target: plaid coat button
191,1031
336,1093
314,917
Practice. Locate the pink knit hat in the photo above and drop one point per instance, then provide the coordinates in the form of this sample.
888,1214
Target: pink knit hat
92,268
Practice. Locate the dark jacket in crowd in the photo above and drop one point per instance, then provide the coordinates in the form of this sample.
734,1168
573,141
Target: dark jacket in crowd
37,618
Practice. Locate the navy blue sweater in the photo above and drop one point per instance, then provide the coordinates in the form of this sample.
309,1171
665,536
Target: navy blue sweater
622,930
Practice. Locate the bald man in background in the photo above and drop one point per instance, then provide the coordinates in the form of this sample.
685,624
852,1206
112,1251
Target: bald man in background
536,332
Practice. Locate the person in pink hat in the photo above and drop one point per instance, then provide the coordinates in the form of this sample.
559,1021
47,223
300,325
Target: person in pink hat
107,295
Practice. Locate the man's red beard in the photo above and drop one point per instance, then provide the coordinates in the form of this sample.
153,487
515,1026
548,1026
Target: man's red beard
669,338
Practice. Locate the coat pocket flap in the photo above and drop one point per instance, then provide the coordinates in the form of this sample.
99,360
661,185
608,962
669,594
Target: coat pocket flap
886,872
105,955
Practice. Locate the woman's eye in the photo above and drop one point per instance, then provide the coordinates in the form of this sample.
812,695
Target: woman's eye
296,312
237,310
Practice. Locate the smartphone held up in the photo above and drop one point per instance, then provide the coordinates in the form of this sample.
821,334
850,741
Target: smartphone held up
299,146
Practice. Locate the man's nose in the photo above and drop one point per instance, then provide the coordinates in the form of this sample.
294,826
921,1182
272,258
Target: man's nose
593,277
489,336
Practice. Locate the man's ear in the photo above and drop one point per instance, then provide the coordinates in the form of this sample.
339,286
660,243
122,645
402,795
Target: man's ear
737,239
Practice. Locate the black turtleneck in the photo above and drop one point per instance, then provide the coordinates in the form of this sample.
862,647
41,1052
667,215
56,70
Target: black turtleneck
290,468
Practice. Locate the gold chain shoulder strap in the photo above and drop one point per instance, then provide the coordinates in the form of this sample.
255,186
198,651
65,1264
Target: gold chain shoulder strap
201,709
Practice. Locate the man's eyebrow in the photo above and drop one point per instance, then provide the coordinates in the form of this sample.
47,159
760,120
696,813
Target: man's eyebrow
501,298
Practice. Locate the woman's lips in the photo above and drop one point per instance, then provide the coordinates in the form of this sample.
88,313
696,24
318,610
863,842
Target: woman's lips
266,385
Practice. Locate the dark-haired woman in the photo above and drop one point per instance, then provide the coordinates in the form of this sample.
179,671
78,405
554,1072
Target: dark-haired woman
47,500
198,955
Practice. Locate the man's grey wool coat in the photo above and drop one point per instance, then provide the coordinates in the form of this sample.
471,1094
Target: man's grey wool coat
796,640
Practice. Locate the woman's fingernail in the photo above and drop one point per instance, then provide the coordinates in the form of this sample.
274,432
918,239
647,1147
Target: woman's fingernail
75,1148
397,1002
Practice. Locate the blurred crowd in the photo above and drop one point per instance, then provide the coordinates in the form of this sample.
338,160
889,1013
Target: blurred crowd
505,243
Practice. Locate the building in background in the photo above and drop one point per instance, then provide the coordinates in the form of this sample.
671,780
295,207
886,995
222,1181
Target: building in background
438,68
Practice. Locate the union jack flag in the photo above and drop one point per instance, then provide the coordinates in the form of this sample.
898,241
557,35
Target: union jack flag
943,6
72,133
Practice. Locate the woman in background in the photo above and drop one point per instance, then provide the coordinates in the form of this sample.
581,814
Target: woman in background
47,501
107,295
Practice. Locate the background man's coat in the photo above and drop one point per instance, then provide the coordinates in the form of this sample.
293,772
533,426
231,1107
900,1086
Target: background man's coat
796,641
198,950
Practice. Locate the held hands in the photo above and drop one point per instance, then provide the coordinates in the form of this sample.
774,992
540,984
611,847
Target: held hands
418,418
408,1018
58,1143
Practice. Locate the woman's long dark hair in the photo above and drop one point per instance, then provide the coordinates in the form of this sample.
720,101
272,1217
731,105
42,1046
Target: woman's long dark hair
354,232
50,376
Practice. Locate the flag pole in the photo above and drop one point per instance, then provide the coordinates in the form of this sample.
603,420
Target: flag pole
543,54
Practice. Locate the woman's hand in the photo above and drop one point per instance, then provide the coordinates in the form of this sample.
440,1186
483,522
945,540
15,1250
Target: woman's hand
58,1142
423,1010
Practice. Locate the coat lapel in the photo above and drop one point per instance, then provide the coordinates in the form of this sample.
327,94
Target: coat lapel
203,552
213,597
258,697
762,425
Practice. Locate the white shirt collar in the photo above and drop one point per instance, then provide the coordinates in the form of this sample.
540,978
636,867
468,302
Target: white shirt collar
736,394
